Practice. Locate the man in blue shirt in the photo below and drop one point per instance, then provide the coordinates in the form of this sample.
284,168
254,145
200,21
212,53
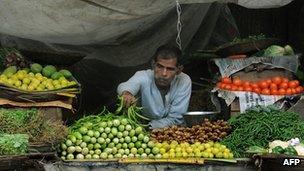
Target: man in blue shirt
164,91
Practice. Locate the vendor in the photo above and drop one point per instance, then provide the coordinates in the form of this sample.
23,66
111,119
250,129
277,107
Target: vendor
164,91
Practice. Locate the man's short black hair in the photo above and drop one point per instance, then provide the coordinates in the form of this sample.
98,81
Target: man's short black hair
168,52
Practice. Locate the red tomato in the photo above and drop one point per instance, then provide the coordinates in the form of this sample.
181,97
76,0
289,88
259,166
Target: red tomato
263,84
234,87
257,90
226,80
273,86
282,91
299,89
240,88
246,84
223,85
237,81
283,85
293,91
293,84
248,88
276,80
285,80
265,91
274,92
268,81
297,82
288,91
254,85
228,87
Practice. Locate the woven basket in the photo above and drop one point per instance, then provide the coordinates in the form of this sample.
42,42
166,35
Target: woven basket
18,95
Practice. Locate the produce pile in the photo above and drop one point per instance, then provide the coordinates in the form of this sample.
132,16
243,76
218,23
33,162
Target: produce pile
292,147
37,78
30,122
272,86
206,150
107,136
207,131
120,135
275,50
260,125
13,144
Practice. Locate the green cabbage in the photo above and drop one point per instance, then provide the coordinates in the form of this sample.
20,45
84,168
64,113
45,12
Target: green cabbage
275,50
288,50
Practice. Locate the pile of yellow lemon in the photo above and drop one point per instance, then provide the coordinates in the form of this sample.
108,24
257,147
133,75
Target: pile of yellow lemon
28,81
199,150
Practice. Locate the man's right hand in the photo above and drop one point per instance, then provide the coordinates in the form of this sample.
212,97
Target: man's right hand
128,98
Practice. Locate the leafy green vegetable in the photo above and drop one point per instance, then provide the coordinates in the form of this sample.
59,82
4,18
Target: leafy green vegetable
290,150
275,50
288,50
260,125
278,150
14,118
32,123
248,39
256,149
13,144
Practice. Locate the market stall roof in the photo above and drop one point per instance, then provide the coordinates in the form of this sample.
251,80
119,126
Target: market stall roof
118,32
91,21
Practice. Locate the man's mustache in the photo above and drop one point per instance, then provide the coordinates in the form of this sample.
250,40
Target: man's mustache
162,79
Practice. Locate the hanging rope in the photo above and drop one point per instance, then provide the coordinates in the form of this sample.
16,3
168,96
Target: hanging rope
178,25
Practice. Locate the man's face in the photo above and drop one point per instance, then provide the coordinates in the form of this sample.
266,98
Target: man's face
165,71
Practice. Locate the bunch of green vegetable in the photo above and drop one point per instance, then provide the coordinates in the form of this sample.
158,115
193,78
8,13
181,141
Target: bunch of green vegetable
275,50
248,39
32,123
260,125
14,118
13,144
132,112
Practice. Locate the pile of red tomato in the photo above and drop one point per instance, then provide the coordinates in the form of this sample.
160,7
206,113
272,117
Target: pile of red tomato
273,86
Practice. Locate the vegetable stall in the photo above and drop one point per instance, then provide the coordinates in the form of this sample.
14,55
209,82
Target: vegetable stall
121,138
260,134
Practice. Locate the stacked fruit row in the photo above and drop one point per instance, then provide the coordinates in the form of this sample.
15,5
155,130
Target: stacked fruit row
36,78
272,86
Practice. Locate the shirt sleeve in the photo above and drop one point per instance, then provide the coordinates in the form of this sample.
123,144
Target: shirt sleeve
178,106
133,84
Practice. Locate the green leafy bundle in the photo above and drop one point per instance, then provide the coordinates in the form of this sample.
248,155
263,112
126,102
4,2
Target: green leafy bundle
14,118
132,112
32,123
13,144
260,125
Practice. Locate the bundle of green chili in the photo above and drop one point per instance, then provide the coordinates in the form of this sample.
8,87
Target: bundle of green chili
132,112
260,125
